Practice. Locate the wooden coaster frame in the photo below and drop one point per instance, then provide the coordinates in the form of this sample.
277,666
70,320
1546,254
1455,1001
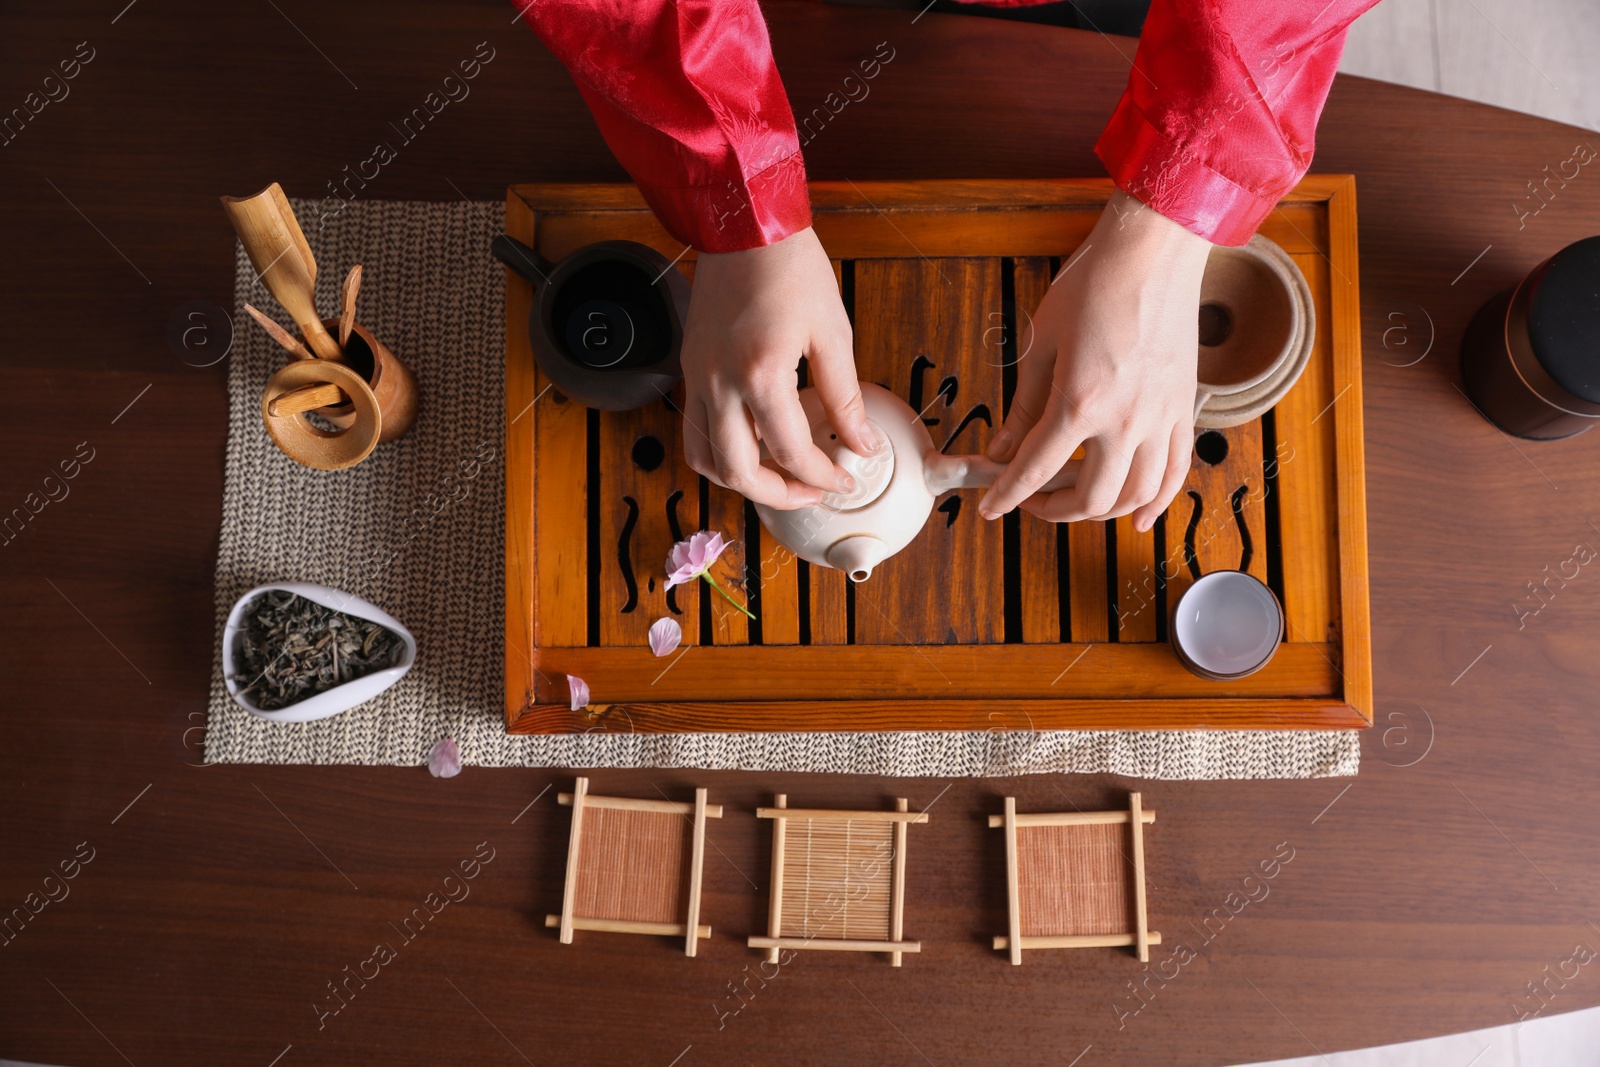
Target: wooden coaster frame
1140,937
828,861
628,898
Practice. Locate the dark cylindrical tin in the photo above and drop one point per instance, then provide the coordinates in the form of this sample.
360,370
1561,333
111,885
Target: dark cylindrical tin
1530,360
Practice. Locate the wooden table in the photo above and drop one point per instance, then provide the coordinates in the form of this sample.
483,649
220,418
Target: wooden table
1421,897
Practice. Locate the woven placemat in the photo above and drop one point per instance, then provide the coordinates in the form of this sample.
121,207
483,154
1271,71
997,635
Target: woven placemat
398,531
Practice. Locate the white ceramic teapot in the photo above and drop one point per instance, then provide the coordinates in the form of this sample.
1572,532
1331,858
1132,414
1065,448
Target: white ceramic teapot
895,490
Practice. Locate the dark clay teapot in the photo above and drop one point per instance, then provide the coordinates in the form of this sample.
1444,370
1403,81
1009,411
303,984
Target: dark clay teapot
607,320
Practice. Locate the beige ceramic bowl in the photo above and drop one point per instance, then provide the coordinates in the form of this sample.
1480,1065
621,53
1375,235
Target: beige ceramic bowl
1257,328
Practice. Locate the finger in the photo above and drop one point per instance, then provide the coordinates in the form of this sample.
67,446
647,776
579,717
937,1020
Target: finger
1178,462
696,441
1144,478
833,373
1028,402
782,424
1100,482
1020,421
1100,485
737,461
1042,453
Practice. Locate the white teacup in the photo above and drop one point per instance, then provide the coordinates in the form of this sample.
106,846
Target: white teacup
1226,625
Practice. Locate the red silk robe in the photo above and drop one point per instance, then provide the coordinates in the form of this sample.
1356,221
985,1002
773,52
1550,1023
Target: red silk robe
1217,122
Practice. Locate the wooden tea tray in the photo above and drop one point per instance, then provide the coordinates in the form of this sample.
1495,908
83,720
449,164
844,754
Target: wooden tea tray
1017,624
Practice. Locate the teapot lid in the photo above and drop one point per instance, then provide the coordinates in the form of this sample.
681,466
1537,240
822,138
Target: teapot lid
872,473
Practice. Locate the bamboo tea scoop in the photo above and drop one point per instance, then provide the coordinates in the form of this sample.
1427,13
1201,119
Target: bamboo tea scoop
307,398
277,247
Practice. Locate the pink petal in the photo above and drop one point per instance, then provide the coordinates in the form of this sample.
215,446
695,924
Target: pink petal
665,635
683,574
579,690
704,548
444,760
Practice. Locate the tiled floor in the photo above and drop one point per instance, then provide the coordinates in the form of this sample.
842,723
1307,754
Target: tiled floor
1532,57
1571,1040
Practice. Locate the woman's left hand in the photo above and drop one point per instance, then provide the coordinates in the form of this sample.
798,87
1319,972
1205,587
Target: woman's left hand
1108,364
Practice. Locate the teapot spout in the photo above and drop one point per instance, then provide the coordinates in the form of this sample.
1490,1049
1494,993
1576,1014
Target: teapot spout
857,555
943,473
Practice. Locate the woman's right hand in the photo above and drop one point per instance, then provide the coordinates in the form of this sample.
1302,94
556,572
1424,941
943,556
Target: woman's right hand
752,315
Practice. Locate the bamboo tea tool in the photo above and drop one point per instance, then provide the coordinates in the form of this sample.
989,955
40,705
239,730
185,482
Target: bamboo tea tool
375,381
306,384
838,880
1069,882
368,398
625,866
332,403
347,304
392,384
278,249
279,334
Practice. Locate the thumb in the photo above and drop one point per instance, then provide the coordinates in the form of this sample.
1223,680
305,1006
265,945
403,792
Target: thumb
833,373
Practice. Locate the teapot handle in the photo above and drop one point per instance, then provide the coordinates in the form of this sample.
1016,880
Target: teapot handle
944,473
522,259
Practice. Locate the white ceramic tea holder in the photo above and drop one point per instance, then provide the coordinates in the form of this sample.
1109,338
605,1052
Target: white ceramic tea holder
340,698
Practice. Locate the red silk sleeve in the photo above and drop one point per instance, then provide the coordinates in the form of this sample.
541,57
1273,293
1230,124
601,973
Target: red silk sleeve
688,98
1220,114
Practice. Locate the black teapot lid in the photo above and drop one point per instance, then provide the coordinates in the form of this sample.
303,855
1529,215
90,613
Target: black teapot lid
1564,318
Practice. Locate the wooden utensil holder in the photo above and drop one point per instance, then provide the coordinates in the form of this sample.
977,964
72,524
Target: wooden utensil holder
392,383
378,403
303,441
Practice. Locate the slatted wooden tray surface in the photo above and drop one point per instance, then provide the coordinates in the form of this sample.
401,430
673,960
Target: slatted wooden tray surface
977,625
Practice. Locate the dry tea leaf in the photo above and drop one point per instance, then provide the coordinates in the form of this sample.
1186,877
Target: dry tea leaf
292,648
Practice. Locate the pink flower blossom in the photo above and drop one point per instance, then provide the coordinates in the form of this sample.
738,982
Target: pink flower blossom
444,761
665,635
693,558
579,689
690,559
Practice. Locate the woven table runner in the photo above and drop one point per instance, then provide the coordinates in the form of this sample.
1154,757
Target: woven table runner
396,530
